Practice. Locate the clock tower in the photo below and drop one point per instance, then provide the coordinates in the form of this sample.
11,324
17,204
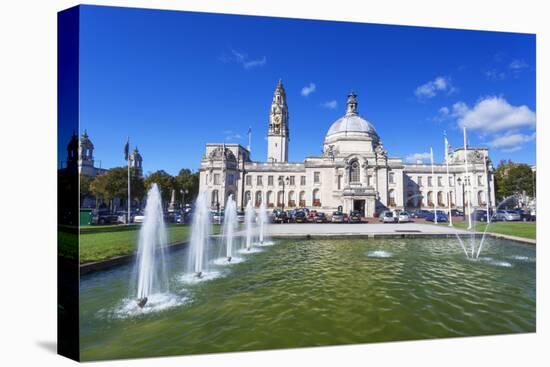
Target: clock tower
278,136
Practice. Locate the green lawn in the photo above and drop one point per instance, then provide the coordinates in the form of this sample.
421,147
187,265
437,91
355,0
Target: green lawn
518,229
103,242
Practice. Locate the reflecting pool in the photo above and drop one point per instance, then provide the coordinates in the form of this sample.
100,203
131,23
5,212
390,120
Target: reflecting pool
315,292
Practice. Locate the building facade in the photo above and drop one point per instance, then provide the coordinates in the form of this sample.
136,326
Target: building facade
354,172
80,156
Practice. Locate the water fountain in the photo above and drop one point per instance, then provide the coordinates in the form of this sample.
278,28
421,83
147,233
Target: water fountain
475,247
200,237
229,225
249,215
151,272
263,221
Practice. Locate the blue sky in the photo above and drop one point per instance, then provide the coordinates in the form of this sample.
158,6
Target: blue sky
174,81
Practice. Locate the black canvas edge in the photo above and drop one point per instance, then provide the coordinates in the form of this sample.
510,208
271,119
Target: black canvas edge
68,42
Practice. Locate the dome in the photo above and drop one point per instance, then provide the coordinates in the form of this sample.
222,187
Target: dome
352,122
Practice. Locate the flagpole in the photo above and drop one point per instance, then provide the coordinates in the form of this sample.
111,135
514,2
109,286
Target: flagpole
467,180
129,200
433,185
448,180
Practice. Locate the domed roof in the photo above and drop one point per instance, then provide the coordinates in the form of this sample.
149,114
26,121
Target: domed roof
85,140
351,121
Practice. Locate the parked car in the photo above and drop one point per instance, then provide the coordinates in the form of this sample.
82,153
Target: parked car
311,215
533,213
280,216
337,217
240,217
511,215
300,217
217,217
320,218
387,216
291,214
498,216
525,215
420,213
439,215
457,213
479,215
403,217
122,216
187,216
355,217
103,216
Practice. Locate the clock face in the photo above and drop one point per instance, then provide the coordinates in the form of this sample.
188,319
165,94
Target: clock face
277,119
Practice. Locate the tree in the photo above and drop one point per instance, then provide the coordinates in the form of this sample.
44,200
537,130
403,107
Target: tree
85,189
165,182
513,179
114,183
187,180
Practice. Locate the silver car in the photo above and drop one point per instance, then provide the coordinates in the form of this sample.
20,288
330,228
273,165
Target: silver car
387,217
510,215
403,217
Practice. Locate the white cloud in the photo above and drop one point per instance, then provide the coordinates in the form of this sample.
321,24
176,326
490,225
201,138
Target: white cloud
442,114
495,75
242,59
511,142
330,104
518,64
493,114
431,88
231,135
253,63
444,111
308,89
413,158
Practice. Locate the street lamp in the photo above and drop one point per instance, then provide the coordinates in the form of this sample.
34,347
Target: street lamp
460,183
282,182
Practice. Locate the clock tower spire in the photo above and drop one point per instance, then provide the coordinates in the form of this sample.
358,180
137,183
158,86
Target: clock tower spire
278,135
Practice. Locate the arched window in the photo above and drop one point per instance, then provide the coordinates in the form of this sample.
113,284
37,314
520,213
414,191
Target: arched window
246,197
302,198
354,171
280,199
291,201
316,198
258,199
452,198
430,198
481,198
269,199
391,195
440,200
215,199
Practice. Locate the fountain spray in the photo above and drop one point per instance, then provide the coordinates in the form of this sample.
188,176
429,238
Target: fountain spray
200,233
229,225
150,256
248,219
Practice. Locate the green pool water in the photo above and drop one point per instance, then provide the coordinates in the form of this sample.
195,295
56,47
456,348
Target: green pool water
300,293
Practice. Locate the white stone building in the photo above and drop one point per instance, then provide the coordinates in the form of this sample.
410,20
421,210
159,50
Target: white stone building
354,173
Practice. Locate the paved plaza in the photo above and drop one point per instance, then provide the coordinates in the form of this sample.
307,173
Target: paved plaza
375,229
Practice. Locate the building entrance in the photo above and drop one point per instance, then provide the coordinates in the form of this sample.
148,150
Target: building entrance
359,205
